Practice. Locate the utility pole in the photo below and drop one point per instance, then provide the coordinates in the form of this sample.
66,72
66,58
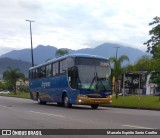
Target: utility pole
30,21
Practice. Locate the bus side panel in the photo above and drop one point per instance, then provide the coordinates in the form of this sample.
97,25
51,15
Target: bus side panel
59,86
51,89
35,86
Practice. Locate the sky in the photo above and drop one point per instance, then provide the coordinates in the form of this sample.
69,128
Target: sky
76,24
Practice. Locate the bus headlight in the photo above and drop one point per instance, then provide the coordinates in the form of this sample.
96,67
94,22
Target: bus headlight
79,101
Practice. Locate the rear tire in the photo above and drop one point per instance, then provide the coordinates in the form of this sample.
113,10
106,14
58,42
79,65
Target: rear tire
94,106
65,102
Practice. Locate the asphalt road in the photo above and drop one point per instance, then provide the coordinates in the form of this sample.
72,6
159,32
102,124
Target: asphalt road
17,113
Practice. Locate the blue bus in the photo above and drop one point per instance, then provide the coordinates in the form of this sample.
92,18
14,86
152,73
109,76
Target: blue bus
72,79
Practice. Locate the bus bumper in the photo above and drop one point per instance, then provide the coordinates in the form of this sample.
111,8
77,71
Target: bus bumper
84,100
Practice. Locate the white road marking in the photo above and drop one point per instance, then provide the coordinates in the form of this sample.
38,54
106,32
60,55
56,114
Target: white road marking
47,114
2,106
5,106
138,127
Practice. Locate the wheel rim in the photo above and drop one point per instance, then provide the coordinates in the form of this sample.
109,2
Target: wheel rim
39,100
65,101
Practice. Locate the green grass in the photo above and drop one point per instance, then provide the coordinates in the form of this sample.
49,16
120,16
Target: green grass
148,102
19,95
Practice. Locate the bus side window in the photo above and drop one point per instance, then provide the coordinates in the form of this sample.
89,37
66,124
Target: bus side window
69,62
33,74
55,69
49,70
63,66
43,71
30,74
38,73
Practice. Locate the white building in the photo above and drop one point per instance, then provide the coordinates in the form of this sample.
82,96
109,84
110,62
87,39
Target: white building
150,87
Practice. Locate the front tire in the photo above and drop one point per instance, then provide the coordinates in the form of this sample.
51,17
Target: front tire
94,106
65,102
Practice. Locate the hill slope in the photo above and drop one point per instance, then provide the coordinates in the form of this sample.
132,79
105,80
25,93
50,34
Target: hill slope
8,62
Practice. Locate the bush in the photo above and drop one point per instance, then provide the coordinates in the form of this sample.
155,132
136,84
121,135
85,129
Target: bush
24,89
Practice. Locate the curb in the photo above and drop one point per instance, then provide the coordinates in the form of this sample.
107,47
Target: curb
138,108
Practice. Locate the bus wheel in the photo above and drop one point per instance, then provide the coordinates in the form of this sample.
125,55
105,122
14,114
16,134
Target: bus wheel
94,106
65,101
59,104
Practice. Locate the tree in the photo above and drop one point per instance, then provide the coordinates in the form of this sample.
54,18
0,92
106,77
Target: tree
155,78
5,86
154,41
12,76
117,70
61,52
145,63
153,45
24,89
1,86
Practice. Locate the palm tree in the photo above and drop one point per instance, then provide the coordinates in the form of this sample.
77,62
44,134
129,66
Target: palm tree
117,70
12,75
61,52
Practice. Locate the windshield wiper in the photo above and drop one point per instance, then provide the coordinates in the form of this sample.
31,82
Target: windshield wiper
95,76
99,79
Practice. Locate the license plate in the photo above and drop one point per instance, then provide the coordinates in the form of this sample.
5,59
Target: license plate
96,101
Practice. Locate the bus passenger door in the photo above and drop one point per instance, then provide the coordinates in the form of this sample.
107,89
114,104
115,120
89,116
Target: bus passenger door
73,77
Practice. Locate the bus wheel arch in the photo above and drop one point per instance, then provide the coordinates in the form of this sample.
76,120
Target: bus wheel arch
39,100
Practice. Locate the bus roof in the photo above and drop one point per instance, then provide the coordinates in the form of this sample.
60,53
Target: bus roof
69,55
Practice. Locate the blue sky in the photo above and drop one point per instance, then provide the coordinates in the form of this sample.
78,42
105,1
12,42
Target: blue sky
76,24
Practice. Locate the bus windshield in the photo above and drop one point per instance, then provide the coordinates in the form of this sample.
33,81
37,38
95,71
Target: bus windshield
93,74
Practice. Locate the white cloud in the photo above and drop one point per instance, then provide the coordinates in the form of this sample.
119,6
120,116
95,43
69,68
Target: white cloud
76,24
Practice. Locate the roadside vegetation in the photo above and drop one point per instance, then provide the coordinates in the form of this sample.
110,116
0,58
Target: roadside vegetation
149,64
11,76
117,71
138,102
19,95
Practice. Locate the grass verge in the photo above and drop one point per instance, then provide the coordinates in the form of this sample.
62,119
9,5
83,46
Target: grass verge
19,95
142,102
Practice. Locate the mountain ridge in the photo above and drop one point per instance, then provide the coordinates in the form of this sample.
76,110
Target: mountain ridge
42,53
